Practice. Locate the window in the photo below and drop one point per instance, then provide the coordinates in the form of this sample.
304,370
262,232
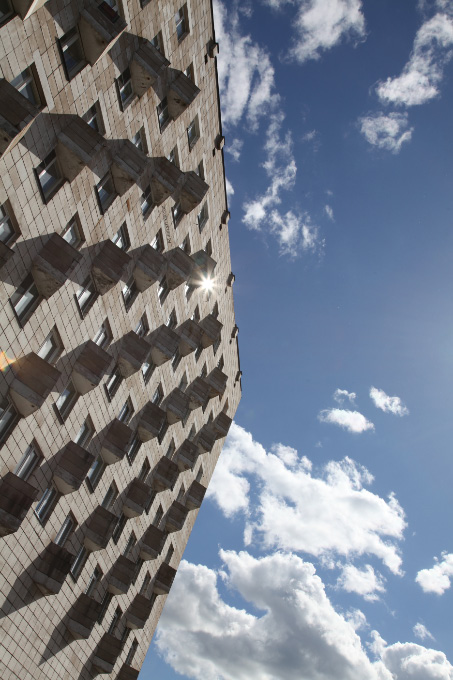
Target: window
130,292
126,412
163,114
192,433
115,621
139,140
138,566
193,133
171,450
94,118
49,177
66,401
172,320
182,24
196,314
119,526
104,335
25,300
215,311
95,473
146,201
208,248
79,563
111,9
144,472
110,497
199,474
94,580
145,585
85,433
176,359
185,245
52,347
133,449
105,192
73,233
158,395
177,214
6,11
170,550
198,352
71,51
158,43
27,83
188,290
200,169
202,217
142,327
66,530
121,238
163,431
124,89
183,382
147,370
130,544
113,383
46,504
158,242
8,232
158,516
173,156
221,363
86,296
104,605
204,371
189,72
163,290
27,463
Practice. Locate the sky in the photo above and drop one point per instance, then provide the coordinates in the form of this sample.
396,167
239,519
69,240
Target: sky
324,547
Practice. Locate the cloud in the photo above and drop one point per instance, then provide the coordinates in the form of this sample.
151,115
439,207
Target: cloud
229,188
388,404
409,661
421,631
421,76
365,581
353,421
299,510
386,131
295,233
341,395
329,212
310,136
438,578
235,149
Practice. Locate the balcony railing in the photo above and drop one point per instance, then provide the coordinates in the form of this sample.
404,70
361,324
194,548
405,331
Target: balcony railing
175,517
72,467
133,353
34,381
151,422
99,529
163,580
51,569
121,576
83,616
152,543
108,267
92,364
115,442
137,498
194,496
16,498
165,475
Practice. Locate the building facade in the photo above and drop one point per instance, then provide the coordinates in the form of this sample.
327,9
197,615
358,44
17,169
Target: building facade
119,358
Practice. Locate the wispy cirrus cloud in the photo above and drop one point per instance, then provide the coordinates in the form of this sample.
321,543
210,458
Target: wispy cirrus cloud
388,404
329,212
234,149
388,131
421,631
438,578
353,421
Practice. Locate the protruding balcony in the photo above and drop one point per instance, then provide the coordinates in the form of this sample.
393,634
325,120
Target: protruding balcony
193,191
34,380
175,517
226,217
108,267
99,529
129,164
6,253
115,442
195,495
164,343
163,580
213,48
181,93
179,267
152,543
205,439
26,8
78,145
136,499
16,498
148,65
189,337
99,27
149,268
127,673
106,653
51,266
165,475
72,467
186,456
217,381
52,568
121,576
164,180
210,330
221,424
83,616
204,266
92,364
198,392
138,612
17,113
219,142
176,405
133,353
151,422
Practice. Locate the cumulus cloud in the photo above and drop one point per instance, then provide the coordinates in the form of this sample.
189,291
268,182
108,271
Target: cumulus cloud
409,661
421,631
341,395
353,421
362,581
295,233
386,131
438,578
300,510
388,404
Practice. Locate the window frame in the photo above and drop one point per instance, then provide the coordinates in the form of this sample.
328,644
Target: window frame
95,472
87,285
123,81
146,201
74,226
203,217
182,23
104,204
193,133
28,463
79,563
46,504
104,333
163,114
127,411
67,403
94,114
129,293
56,347
50,161
113,383
8,218
85,434
71,73
65,530
159,241
27,286
122,237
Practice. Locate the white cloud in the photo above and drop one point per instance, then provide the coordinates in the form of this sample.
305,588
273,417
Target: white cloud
235,149
341,395
421,631
310,136
409,661
362,581
386,131
329,212
388,404
295,233
421,76
229,187
299,510
353,421
438,578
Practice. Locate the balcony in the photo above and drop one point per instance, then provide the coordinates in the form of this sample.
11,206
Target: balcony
176,406
152,543
83,616
106,653
175,518
51,266
92,364
136,499
204,266
189,337
115,442
205,439
99,27
210,330
186,456
51,569
133,353
221,424
16,498
151,422
138,613
128,166
198,392
78,146
181,93
121,576
6,253
165,475
108,267
99,529
193,191
164,179
147,67
127,673
163,580
149,268
72,467
179,267
164,343
34,380
195,495
217,382
17,113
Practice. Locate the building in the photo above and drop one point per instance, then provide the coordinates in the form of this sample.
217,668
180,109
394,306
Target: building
119,362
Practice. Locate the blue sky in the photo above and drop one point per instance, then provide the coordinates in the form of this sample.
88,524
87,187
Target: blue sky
324,549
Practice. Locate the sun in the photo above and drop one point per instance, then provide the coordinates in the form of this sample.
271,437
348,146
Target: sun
207,284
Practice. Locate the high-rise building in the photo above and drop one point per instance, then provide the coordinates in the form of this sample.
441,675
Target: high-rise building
119,359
